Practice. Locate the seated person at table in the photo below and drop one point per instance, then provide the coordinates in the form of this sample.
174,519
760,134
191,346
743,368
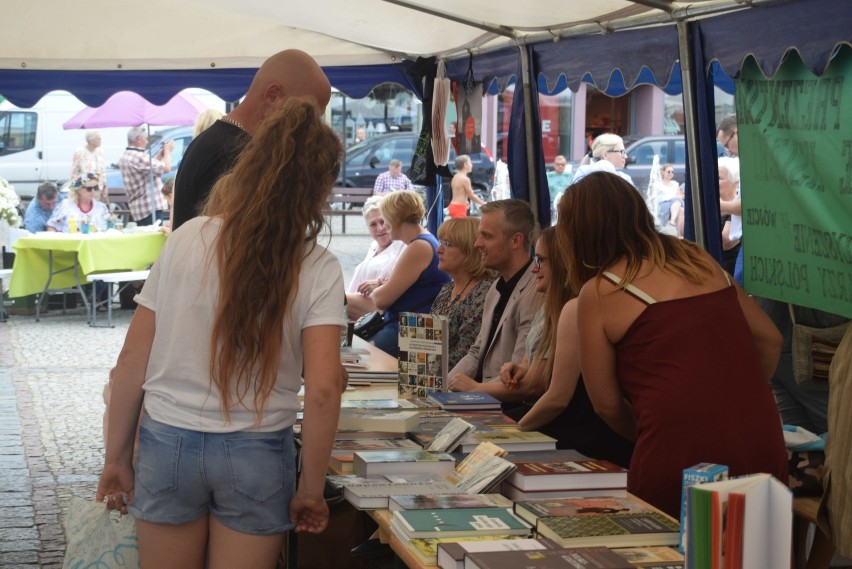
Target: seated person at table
505,236
416,279
378,264
41,208
168,192
552,367
651,310
81,206
461,299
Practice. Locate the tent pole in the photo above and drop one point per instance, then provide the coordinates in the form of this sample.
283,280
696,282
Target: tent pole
696,190
527,81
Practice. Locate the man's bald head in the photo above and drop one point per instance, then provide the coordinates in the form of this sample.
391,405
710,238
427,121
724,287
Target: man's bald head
289,73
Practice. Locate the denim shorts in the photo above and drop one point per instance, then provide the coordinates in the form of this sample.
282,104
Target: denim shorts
245,479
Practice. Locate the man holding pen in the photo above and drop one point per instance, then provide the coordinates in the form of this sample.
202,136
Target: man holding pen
505,237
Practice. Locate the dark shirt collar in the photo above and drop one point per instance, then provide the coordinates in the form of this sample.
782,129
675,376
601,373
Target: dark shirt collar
508,286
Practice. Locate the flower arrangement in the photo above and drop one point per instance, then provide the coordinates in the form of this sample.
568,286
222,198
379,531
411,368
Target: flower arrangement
9,201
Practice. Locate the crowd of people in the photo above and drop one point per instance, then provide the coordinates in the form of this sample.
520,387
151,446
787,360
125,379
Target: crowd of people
600,331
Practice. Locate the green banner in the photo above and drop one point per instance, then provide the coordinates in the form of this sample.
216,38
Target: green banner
795,142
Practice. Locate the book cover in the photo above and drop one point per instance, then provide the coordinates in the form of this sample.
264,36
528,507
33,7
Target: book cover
517,494
429,500
450,436
377,420
343,450
532,510
556,455
427,549
376,496
376,404
658,556
568,475
463,400
476,457
459,522
611,530
379,463
510,439
423,349
576,558
698,474
485,476
451,554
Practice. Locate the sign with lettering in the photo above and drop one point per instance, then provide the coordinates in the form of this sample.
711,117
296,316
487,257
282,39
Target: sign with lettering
795,143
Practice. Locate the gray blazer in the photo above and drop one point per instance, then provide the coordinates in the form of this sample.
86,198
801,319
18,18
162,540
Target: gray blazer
509,341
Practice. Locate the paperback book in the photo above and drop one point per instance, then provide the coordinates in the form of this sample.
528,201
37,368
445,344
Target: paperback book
516,494
465,401
450,555
381,463
450,436
430,500
575,558
457,523
377,496
510,440
701,473
427,549
343,451
423,349
400,421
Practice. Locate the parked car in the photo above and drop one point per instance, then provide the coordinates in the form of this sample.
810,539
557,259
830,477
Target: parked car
670,149
366,160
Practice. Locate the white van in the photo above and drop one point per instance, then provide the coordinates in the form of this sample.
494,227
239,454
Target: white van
34,148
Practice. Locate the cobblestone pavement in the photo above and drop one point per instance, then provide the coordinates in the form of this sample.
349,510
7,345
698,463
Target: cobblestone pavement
52,374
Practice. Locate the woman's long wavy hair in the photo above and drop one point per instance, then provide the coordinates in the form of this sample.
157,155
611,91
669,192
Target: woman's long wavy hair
557,294
270,206
602,219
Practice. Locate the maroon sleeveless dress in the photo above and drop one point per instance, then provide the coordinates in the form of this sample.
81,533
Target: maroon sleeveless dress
692,373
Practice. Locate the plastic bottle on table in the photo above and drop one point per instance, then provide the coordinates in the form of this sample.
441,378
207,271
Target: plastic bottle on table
72,224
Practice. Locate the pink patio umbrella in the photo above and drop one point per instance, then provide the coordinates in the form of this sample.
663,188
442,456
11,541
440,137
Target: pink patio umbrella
126,108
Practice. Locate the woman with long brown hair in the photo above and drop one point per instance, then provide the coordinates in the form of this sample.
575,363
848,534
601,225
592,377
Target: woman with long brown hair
241,307
652,312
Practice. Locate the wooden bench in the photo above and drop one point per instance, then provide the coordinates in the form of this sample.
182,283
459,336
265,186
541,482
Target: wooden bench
347,201
125,277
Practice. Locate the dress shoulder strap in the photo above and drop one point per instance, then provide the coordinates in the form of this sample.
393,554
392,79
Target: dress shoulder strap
638,293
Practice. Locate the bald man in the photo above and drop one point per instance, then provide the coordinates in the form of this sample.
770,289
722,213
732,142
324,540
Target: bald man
290,73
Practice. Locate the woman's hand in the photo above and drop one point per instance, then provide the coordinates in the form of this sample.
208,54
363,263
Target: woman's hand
511,374
366,288
116,485
309,513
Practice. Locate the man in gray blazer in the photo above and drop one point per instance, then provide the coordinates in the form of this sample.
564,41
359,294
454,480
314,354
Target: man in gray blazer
505,240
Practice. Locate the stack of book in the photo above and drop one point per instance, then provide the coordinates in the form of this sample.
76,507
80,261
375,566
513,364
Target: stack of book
464,522
563,478
389,421
369,463
343,450
605,521
510,439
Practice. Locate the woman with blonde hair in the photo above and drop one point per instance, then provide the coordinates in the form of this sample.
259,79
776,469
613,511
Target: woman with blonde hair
241,308
607,155
651,311
558,404
461,299
205,120
415,279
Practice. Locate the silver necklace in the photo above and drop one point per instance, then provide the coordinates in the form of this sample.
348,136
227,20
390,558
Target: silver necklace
236,123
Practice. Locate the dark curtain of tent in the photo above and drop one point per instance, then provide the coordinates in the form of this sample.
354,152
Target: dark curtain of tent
518,158
24,87
705,118
421,80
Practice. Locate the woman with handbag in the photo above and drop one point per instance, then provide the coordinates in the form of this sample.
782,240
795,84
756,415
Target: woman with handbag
241,308
416,278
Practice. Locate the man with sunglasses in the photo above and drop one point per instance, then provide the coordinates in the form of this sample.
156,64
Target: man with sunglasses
727,137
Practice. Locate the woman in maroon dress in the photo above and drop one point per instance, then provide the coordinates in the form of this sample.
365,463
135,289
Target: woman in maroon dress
674,355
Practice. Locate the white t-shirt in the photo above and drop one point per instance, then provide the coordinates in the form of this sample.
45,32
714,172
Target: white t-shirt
736,230
376,265
183,291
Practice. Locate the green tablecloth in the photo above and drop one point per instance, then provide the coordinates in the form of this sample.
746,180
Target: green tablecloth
97,253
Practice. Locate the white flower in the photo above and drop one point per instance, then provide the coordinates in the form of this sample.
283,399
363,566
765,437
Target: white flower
9,201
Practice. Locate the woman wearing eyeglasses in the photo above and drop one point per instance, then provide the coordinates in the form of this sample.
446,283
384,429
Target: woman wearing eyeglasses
461,299
608,155
81,207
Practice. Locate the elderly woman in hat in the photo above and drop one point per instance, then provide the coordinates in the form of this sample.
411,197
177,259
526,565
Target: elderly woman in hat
82,208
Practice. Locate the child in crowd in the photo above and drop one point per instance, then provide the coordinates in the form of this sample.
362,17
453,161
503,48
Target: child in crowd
462,189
